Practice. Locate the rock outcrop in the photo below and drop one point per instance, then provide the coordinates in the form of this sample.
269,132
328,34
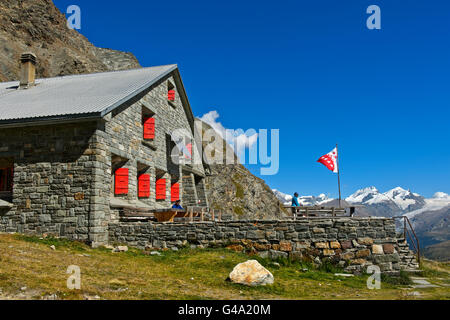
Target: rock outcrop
38,26
234,189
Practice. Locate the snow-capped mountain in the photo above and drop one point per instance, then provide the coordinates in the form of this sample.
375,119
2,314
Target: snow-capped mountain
397,201
283,197
391,203
363,195
304,200
439,201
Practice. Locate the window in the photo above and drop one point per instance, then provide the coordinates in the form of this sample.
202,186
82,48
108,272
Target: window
161,189
188,155
149,128
148,124
175,192
144,186
121,181
6,176
186,151
171,92
171,95
6,180
184,148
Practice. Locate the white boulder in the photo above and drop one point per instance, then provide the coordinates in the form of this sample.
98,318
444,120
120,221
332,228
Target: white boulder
251,273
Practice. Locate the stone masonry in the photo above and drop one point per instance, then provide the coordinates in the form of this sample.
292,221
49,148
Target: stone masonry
354,243
54,172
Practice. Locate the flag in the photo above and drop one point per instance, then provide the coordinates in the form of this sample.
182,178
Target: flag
330,160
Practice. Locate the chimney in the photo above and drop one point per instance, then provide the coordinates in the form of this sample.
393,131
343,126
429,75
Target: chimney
27,70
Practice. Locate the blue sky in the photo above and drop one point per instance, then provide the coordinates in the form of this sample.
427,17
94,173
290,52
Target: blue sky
311,69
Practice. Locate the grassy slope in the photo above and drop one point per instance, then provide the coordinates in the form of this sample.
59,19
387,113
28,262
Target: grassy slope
186,274
439,251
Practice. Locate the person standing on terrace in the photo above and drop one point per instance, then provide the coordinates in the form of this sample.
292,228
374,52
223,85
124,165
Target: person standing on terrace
295,202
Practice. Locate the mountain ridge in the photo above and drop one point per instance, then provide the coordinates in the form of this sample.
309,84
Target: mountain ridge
430,217
390,203
39,26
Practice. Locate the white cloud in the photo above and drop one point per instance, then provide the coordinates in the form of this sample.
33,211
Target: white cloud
233,137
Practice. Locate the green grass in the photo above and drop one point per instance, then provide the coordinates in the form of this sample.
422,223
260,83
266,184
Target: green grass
57,242
404,279
433,269
186,274
238,210
239,188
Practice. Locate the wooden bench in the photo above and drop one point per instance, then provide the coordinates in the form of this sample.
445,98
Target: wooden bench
191,214
167,215
137,214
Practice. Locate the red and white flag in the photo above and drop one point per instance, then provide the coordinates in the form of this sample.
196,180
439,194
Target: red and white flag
330,160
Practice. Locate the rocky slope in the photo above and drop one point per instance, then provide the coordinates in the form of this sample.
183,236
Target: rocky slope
432,226
38,26
232,188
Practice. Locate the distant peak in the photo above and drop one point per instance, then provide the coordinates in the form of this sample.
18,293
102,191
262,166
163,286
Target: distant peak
398,189
367,190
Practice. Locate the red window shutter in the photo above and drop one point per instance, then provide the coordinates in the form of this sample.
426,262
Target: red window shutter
121,181
189,148
149,128
161,189
171,95
144,186
175,192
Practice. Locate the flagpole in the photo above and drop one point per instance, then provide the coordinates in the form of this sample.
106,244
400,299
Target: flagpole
339,178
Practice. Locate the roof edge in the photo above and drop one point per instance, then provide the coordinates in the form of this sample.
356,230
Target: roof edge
138,91
30,122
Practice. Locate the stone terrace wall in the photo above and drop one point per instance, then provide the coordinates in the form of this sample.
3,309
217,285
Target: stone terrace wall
352,243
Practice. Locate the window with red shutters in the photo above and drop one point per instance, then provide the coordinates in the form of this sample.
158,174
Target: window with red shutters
175,192
161,189
149,128
144,186
171,95
121,181
189,149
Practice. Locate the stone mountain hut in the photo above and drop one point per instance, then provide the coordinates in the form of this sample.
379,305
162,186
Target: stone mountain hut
75,150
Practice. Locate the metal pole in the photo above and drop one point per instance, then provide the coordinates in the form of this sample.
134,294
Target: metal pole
404,227
339,178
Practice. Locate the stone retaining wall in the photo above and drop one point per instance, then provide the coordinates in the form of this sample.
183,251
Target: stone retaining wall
352,243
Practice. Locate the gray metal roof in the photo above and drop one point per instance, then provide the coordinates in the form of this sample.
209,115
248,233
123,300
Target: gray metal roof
75,96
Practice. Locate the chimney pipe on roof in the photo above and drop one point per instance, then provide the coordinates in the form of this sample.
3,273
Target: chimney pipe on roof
27,70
